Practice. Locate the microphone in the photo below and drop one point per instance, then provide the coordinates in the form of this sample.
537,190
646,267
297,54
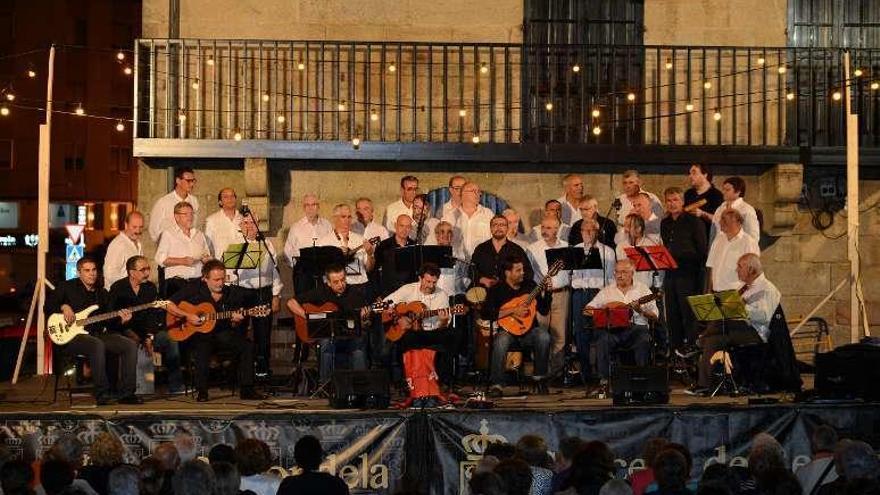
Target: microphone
244,210
616,204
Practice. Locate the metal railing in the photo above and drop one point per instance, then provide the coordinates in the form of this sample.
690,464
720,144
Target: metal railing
504,93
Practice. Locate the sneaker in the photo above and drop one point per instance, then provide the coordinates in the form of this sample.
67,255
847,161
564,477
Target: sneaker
696,391
495,392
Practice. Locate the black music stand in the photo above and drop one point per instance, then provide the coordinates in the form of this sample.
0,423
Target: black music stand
406,262
316,259
330,326
721,306
655,259
439,255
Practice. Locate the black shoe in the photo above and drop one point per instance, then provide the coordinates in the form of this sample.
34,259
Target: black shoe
495,392
202,396
250,394
131,400
541,388
102,401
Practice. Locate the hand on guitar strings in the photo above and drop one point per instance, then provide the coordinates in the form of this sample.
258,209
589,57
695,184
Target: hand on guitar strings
125,315
69,315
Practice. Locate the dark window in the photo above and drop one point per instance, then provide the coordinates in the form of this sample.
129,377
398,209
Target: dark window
81,32
6,156
120,159
834,23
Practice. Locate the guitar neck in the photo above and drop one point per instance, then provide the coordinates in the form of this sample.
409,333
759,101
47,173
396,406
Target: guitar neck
113,314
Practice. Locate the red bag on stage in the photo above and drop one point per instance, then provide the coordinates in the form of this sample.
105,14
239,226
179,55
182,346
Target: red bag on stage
421,376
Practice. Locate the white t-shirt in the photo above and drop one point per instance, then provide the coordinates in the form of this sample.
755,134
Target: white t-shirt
750,218
439,299
356,270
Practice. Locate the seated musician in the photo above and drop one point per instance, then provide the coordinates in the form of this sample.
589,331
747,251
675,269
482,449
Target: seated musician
77,294
761,298
335,290
228,334
146,327
514,285
623,293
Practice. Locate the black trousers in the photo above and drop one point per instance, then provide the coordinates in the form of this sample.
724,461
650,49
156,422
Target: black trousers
717,337
231,342
96,348
262,326
677,286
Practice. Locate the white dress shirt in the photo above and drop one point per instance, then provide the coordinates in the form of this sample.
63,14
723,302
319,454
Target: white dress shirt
652,229
636,291
762,298
304,234
120,249
176,244
645,277
723,256
570,212
535,233
221,231
356,271
750,218
447,208
468,231
439,299
626,206
265,275
371,230
538,258
455,280
595,279
162,214
393,211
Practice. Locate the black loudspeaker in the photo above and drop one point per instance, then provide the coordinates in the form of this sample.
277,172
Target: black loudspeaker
369,389
849,372
639,385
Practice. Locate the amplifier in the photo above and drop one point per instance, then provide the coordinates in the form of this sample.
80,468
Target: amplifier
368,389
639,385
849,372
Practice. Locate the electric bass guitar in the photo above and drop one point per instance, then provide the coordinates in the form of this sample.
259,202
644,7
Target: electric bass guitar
519,325
61,332
179,329
300,324
416,311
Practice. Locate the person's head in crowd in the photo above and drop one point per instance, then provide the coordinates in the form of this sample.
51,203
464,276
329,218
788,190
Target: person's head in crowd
823,440
67,448
106,450
733,188
594,462
670,470
500,450
533,450
855,459
653,447
226,477
152,475
568,447
766,456
166,453
221,453
616,487
185,443
487,483
486,464
124,480
308,453
719,474
56,475
516,475
194,478
252,457
683,451
16,477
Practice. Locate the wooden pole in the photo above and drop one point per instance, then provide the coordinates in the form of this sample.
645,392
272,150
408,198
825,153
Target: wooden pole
852,203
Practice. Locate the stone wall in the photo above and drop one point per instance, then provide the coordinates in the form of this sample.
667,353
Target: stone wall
715,22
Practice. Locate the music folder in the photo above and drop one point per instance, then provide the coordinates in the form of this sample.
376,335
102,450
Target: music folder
242,256
651,258
724,305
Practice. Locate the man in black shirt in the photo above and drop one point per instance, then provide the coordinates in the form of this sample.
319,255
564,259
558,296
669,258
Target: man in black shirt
227,334
515,284
350,304
685,237
76,295
702,188
147,326
391,275
488,255
589,208
308,455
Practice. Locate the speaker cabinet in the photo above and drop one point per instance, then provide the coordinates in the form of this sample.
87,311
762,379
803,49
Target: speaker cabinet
368,389
639,385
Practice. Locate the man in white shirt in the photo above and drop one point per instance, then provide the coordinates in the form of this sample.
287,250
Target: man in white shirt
122,247
365,224
553,208
357,251
470,221
728,247
454,281
409,188
514,228
585,285
182,250
761,298
632,186
304,233
162,214
455,184
623,290
222,226
422,218
556,320
733,191
642,207
573,193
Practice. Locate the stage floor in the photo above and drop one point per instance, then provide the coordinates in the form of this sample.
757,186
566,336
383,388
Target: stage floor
34,395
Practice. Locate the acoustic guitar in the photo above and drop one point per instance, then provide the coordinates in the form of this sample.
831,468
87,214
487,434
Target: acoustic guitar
61,332
415,311
179,329
300,324
516,325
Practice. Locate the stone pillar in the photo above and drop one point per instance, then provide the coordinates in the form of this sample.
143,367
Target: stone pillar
256,189
780,192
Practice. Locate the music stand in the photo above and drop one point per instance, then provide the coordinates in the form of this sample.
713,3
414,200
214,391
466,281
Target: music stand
319,257
439,255
243,255
330,326
720,306
651,258
406,262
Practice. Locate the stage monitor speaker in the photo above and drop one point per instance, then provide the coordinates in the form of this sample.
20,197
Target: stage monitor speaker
639,385
849,372
368,389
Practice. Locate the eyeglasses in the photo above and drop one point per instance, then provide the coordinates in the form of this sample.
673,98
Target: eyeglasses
143,270
191,181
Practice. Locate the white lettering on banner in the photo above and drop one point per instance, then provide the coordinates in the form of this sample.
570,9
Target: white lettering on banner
7,241
31,240
365,476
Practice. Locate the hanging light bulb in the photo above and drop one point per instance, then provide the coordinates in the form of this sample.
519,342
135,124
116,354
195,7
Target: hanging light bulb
374,116
120,56
341,106
668,64
392,68
875,85
858,72
195,84
576,68
549,106
120,126
127,71
4,110
475,139
631,97
761,60
237,136
707,85
181,116
265,97
79,110
781,69
716,115
356,143
280,119
31,73
789,96
484,69
10,96
596,113
597,130
462,113
689,107
836,96
301,66
210,61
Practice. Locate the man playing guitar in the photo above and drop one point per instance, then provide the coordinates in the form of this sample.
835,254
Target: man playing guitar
513,285
627,294
227,333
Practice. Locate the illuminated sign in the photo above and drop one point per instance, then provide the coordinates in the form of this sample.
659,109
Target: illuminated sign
8,215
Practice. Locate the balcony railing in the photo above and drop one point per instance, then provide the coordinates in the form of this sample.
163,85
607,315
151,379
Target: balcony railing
502,93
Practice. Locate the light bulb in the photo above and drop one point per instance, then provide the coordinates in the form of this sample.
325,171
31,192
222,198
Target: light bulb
265,97
462,113
707,85
127,71
857,72
549,106
79,111
31,73
836,96
781,69
120,126
761,61
789,96
301,66
875,85
597,130
181,116
195,84
576,68
281,119
668,64
475,139
392,68
10,96
596,112
210,61
484,69
631,97
374,116
237,136
120,56
689,107
4,111
356,143
716,115
341,107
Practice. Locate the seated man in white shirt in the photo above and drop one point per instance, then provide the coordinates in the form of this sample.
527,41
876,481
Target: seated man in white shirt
122,247
761,298
409,188
623,293
182,250
222,226
727,248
